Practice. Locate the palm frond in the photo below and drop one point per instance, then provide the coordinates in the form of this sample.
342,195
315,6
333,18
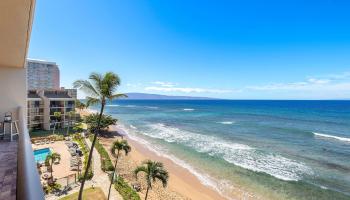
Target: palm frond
163,177
87,88
117,96
92,101
140,169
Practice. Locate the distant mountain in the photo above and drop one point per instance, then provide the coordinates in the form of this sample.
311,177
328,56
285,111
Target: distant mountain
146,96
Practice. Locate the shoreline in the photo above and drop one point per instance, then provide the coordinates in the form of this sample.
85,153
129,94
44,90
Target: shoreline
181,180
183,184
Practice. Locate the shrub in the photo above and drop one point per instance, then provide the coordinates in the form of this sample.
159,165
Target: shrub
85,151
106,163
92,119
51,188
125,190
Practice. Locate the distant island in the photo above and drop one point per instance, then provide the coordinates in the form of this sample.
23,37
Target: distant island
145,96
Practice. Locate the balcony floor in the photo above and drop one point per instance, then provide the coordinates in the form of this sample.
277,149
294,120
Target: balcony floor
8,170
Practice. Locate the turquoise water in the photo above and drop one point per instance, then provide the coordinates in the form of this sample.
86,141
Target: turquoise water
41,154
266,149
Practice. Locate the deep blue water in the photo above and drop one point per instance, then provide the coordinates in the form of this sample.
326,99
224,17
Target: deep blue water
268,143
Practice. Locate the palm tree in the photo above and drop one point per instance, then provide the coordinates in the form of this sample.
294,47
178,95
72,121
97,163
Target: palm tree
153,170
57,117
99,89
80,105
50,159
119,146
70,116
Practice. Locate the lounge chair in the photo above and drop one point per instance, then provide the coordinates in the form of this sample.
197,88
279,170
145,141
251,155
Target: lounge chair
52,141
47,142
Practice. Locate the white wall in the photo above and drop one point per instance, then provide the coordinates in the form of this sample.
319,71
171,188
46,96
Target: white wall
13,91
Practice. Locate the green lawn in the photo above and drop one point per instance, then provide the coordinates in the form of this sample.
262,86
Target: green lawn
89,194
44,133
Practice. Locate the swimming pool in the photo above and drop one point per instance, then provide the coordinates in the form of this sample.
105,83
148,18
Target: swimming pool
41,154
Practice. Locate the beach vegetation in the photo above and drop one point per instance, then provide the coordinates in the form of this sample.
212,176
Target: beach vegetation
77,138
153,171
50,160
78,127
99,88
51,188
118,147
70,116
80,105
57,116
125,190
106,163
105,121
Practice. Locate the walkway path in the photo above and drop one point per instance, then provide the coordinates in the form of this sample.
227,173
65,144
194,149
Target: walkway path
100,178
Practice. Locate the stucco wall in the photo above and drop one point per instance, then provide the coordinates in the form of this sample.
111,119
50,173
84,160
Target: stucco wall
13,90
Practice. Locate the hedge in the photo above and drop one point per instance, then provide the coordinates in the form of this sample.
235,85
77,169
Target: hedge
125,190
106,163
85,151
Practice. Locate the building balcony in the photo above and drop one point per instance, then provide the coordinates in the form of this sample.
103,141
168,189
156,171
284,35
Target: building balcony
17,165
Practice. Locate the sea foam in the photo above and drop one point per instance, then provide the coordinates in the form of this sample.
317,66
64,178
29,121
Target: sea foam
204,178
226,122
112,105
344,139
188,109
238,154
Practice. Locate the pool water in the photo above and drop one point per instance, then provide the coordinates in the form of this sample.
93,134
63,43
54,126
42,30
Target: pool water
41,154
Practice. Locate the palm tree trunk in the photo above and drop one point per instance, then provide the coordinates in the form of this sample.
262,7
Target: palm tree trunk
51,168
54,126
91,150
112,180
147,192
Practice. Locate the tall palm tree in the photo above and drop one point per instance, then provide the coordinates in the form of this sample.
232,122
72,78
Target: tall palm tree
121,145
50,159
153,170
71,114
57,118
99,89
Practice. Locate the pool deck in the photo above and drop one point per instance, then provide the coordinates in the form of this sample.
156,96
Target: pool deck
63,168
8,170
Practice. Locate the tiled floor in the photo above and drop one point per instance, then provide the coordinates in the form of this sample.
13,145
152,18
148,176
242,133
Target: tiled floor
8,170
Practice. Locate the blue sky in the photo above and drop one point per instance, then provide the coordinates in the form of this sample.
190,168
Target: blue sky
238,49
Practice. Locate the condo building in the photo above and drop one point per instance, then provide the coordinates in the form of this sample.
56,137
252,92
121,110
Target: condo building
45,97
42,75
42,105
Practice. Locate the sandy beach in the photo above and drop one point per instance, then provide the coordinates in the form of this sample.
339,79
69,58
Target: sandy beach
182,183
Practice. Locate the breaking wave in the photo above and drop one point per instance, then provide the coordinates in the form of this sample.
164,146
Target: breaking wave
238,154
344,139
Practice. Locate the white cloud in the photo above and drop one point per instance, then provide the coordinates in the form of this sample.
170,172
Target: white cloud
133,85
312,84
187,90
164,84
341,76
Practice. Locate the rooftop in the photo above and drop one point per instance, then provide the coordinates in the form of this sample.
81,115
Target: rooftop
57,95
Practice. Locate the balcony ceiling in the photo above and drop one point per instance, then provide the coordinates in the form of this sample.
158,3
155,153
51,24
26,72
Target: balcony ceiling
16,18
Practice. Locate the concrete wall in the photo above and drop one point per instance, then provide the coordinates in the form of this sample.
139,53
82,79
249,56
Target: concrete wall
13,91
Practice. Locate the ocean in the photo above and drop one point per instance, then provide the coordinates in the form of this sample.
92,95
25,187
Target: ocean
264,149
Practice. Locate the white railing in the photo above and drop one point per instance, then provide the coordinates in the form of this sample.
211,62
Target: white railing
28,180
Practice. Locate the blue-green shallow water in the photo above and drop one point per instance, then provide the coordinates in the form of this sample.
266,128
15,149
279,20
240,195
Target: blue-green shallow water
268,149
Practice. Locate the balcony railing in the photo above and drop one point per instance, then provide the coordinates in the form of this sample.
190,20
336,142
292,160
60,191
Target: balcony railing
28,181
